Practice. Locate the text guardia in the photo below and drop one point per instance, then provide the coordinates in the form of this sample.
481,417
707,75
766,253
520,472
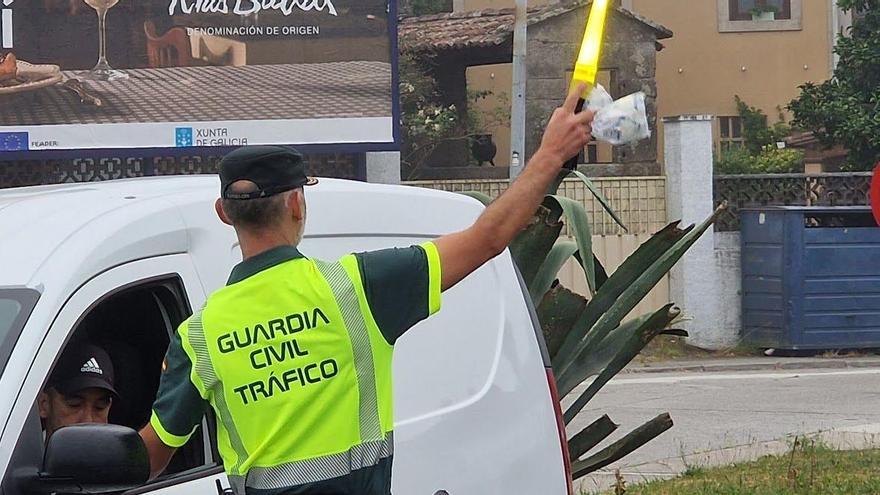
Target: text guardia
248,7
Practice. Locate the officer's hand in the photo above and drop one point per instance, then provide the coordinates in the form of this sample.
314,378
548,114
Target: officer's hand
567,132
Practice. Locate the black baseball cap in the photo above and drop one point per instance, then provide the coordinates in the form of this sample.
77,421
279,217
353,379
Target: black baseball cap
83,366
274,169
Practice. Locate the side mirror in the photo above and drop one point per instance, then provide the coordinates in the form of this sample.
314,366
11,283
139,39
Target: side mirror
94,458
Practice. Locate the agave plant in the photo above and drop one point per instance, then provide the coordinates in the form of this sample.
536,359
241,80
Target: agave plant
588,337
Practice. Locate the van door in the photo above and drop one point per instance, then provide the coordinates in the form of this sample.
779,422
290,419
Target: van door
131,311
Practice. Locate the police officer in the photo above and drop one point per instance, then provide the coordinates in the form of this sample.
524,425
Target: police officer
294,354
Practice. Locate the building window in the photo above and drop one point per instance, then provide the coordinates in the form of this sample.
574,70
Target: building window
741,10
735,16
731,133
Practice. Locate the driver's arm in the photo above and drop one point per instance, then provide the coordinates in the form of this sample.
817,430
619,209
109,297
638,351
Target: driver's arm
463,252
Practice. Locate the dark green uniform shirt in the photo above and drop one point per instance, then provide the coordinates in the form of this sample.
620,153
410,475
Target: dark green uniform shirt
397,290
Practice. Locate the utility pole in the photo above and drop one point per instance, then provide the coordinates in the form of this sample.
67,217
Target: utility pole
518,99
6,24
835,29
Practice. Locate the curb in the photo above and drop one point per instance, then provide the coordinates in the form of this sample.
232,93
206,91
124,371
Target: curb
771,365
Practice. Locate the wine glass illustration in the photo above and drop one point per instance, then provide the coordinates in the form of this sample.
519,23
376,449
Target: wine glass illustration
103,71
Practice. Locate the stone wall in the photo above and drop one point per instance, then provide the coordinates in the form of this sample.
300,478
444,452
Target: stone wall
631,56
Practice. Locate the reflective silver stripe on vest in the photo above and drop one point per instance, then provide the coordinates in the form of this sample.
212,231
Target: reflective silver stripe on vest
204,368
346,297
237,484
320,468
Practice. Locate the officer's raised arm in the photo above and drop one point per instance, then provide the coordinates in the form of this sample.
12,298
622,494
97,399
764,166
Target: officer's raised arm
463,252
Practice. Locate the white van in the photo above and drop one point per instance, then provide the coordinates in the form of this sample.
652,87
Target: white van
122,263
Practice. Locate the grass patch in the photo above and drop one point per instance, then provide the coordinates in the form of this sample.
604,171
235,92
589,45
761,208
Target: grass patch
809,469
846,353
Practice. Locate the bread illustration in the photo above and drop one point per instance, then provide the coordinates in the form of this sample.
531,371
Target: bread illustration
8,67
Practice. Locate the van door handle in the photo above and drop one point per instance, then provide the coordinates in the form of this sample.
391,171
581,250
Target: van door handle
221,490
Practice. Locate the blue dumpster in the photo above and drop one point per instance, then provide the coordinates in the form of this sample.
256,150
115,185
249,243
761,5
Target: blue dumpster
810,277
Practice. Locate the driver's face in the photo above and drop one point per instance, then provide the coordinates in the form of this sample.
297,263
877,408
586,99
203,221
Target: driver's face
90,405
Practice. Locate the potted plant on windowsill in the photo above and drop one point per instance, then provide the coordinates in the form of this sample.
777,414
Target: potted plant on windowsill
764,13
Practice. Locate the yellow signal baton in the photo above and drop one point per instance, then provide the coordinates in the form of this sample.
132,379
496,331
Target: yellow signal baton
586,68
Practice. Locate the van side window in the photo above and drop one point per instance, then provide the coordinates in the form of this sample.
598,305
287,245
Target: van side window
134,326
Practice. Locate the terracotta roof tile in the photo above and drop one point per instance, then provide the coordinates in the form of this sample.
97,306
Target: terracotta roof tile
486,28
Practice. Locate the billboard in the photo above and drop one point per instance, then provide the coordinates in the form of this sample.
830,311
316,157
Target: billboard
104,74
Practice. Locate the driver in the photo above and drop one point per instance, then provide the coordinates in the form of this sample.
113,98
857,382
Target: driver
80,389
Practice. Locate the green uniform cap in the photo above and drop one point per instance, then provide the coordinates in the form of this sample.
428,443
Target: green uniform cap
274,169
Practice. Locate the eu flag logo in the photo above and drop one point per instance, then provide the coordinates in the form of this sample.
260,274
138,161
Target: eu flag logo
14,141
184,137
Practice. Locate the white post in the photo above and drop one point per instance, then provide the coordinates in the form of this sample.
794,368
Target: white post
835,28
6,37
693,281
383,167
518,99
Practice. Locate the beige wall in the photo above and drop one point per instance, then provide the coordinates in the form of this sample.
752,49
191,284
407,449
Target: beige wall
612,251
700,70
495,78
498,79
640,202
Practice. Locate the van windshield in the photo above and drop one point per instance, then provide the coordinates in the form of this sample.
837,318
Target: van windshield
15,308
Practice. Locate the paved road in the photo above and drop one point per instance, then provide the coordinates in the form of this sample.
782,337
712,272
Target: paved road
714,411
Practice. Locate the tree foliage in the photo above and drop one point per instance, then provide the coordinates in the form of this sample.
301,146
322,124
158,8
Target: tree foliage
757,134
759,153
845,110
425,121
771,160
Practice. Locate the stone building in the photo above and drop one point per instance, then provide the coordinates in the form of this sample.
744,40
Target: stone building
460,41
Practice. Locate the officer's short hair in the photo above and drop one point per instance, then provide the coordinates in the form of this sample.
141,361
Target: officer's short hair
257,213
